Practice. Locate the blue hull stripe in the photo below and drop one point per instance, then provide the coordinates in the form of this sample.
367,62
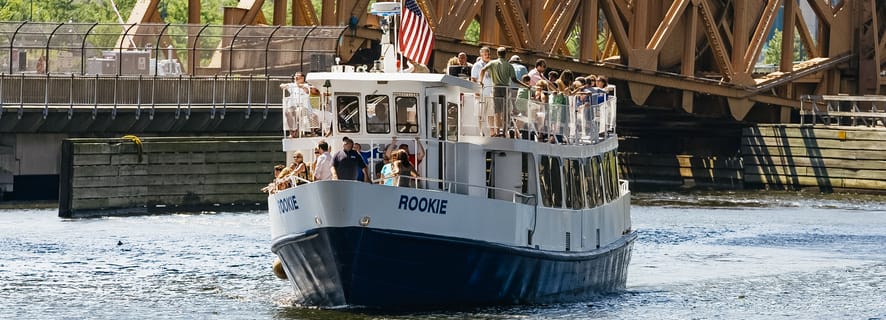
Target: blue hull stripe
360,266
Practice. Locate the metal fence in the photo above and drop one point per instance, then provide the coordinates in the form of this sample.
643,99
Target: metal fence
165,49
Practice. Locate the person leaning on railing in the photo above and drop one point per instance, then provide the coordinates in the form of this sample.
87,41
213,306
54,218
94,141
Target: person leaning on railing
503,75
403,173
272,186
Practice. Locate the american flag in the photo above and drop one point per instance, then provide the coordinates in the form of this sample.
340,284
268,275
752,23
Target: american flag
416,38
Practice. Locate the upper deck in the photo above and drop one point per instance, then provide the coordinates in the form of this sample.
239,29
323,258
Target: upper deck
374,107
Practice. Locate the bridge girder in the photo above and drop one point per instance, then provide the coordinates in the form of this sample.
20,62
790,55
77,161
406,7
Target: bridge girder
705,42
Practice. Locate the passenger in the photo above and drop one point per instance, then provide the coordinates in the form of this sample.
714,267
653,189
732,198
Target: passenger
272,186
365,156
415,67
414,159
323,165
538,106
298,105
602,88
519,68
347,163
538,73
523,96
459,66
486,82
41,65
387,170
502,76
380,121
403,171
383,169
463,60
296,171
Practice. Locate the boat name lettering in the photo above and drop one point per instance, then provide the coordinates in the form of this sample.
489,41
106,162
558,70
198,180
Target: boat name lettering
287,204
422,204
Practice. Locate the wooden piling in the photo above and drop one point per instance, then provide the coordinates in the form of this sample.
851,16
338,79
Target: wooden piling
119,177
829,158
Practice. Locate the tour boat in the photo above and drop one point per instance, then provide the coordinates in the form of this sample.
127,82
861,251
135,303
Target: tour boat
530,213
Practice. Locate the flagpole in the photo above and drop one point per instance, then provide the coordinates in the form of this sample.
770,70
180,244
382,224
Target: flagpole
398,19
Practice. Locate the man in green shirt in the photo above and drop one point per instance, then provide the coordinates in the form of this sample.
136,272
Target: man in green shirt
502,74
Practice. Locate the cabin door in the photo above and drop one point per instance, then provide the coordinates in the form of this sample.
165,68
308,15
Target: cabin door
438,152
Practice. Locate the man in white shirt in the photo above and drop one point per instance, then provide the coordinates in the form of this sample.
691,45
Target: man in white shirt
323,164
475,72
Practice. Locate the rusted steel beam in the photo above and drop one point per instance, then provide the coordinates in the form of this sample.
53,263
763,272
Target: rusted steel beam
625,8
787,37
718,48
823,10
616,27
589,50
558,24
142,11
327,16
252,12
194,11
812,48
740,30
514,23
279,18
666,27
303,13
764,26
638,29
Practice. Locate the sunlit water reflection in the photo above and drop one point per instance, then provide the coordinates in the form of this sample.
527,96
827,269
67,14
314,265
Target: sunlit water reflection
699,255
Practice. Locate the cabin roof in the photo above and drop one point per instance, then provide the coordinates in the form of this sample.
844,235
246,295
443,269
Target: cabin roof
317,78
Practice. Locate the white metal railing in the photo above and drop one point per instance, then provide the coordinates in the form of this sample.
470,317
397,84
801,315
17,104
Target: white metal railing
580,118
843,109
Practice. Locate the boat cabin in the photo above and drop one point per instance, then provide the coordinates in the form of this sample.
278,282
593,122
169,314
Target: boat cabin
558,156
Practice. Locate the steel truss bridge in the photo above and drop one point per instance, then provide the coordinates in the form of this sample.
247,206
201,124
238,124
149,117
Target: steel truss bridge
698,56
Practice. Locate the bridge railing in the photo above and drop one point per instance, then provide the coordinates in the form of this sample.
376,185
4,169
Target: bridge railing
28,91
165,49
843,110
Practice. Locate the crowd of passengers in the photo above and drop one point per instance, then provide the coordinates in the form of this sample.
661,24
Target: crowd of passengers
398,167
546,100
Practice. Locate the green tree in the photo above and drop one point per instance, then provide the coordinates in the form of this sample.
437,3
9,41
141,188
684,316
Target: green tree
772,51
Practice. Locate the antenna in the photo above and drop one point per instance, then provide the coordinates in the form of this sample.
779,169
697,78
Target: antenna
387,10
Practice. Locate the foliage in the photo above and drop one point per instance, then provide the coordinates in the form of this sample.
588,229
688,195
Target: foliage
472,34
772,51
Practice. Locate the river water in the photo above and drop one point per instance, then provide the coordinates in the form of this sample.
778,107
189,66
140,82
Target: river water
708,255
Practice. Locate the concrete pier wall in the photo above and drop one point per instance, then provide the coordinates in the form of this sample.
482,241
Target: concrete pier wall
119,176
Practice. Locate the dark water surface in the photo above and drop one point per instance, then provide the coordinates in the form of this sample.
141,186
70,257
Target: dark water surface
724,255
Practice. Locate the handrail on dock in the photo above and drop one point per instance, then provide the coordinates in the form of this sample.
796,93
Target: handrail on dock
843,110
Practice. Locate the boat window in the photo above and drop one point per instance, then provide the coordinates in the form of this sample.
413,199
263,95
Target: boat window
607,189
407,114
597,180
590,185
573,183
378,114
549,179
613,173
347,108
451,121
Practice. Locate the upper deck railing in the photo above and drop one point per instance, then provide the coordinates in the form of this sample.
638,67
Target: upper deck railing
843,110
540,115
